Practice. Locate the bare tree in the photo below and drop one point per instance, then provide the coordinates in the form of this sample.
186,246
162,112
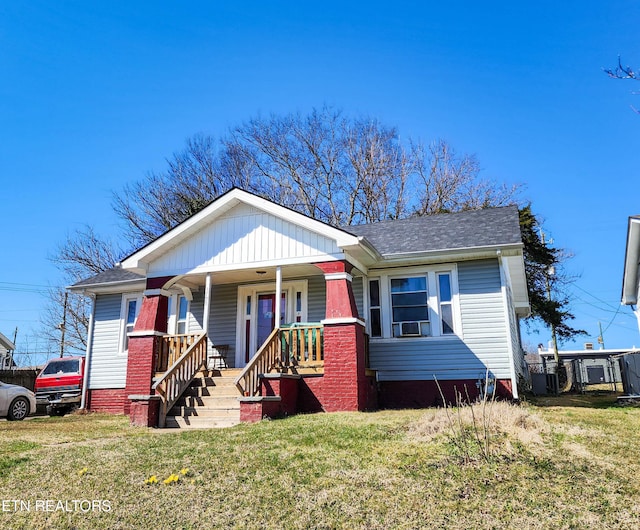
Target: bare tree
623,72
192,179
82,254
449,182
326,165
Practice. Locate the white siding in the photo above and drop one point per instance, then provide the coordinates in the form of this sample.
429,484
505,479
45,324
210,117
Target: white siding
481,346
245,236
108,367
358,293
518,355
316,299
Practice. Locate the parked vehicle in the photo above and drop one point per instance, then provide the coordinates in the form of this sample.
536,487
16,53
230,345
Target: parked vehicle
16,402
59,385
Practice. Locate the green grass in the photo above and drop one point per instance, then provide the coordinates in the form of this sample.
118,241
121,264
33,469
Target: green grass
553,464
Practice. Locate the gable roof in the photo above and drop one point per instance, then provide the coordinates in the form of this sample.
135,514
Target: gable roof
204,219
472,234
6,344
108,278
490,227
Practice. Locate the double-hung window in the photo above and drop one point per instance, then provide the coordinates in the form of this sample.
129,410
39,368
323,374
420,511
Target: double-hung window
130,309
182,313
414,303
374,309
410,307
445,301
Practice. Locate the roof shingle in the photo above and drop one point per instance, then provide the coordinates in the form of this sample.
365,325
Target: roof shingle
450,231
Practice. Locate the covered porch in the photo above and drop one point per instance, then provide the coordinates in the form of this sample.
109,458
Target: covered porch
233,323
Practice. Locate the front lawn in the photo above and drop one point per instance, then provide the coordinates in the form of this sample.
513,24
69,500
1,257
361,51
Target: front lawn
546,465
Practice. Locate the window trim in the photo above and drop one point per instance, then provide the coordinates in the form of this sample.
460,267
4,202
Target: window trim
433,301
123,346
174,313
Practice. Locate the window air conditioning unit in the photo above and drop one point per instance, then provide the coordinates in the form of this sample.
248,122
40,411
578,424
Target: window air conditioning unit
588,345
410,329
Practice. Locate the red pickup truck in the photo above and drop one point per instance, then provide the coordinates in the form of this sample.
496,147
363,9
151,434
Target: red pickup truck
59,385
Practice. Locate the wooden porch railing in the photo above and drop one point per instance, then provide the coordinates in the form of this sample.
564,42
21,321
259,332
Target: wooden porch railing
285,349
170,348
179,375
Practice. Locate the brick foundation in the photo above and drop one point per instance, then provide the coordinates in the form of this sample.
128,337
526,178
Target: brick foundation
111,400
285,386
422,394
255,409
144,410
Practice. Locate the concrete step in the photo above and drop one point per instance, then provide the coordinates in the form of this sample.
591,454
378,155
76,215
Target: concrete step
205,412
197,422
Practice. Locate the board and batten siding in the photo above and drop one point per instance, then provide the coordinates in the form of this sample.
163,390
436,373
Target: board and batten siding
108,366
245,235
483,343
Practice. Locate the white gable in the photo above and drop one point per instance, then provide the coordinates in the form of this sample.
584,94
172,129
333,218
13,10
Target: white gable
244,237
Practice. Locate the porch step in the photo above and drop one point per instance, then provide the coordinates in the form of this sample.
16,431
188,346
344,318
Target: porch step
211,401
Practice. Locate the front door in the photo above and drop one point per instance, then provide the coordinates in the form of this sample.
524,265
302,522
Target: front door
267,314
257,314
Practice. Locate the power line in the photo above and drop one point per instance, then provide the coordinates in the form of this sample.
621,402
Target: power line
613,307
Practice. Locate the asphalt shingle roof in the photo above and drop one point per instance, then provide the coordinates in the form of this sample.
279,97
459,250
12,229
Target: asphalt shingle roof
474,228
114,275
471,229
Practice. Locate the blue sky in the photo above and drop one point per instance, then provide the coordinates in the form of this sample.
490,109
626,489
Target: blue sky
96,94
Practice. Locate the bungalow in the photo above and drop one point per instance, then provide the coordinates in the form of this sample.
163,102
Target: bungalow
305,316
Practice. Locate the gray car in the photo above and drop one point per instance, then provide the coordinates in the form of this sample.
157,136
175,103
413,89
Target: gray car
16,402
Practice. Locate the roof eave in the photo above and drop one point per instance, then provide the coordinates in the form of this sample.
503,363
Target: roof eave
119,286
453,254
139,261
631,260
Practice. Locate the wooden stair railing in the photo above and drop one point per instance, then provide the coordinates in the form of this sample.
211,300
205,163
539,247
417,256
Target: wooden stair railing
267,358
285,349
170,347
179,376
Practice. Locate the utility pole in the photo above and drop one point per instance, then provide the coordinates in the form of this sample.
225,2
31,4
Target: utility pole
15,336
601,337
551,272
63,325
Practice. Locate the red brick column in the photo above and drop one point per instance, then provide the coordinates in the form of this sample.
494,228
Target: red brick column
344,385
151,324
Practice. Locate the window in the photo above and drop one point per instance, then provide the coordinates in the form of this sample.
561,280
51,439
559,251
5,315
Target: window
446,300
374,308
410,307
414,302
182,312
130,309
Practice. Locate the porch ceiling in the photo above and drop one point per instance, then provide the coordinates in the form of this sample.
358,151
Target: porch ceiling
258,275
